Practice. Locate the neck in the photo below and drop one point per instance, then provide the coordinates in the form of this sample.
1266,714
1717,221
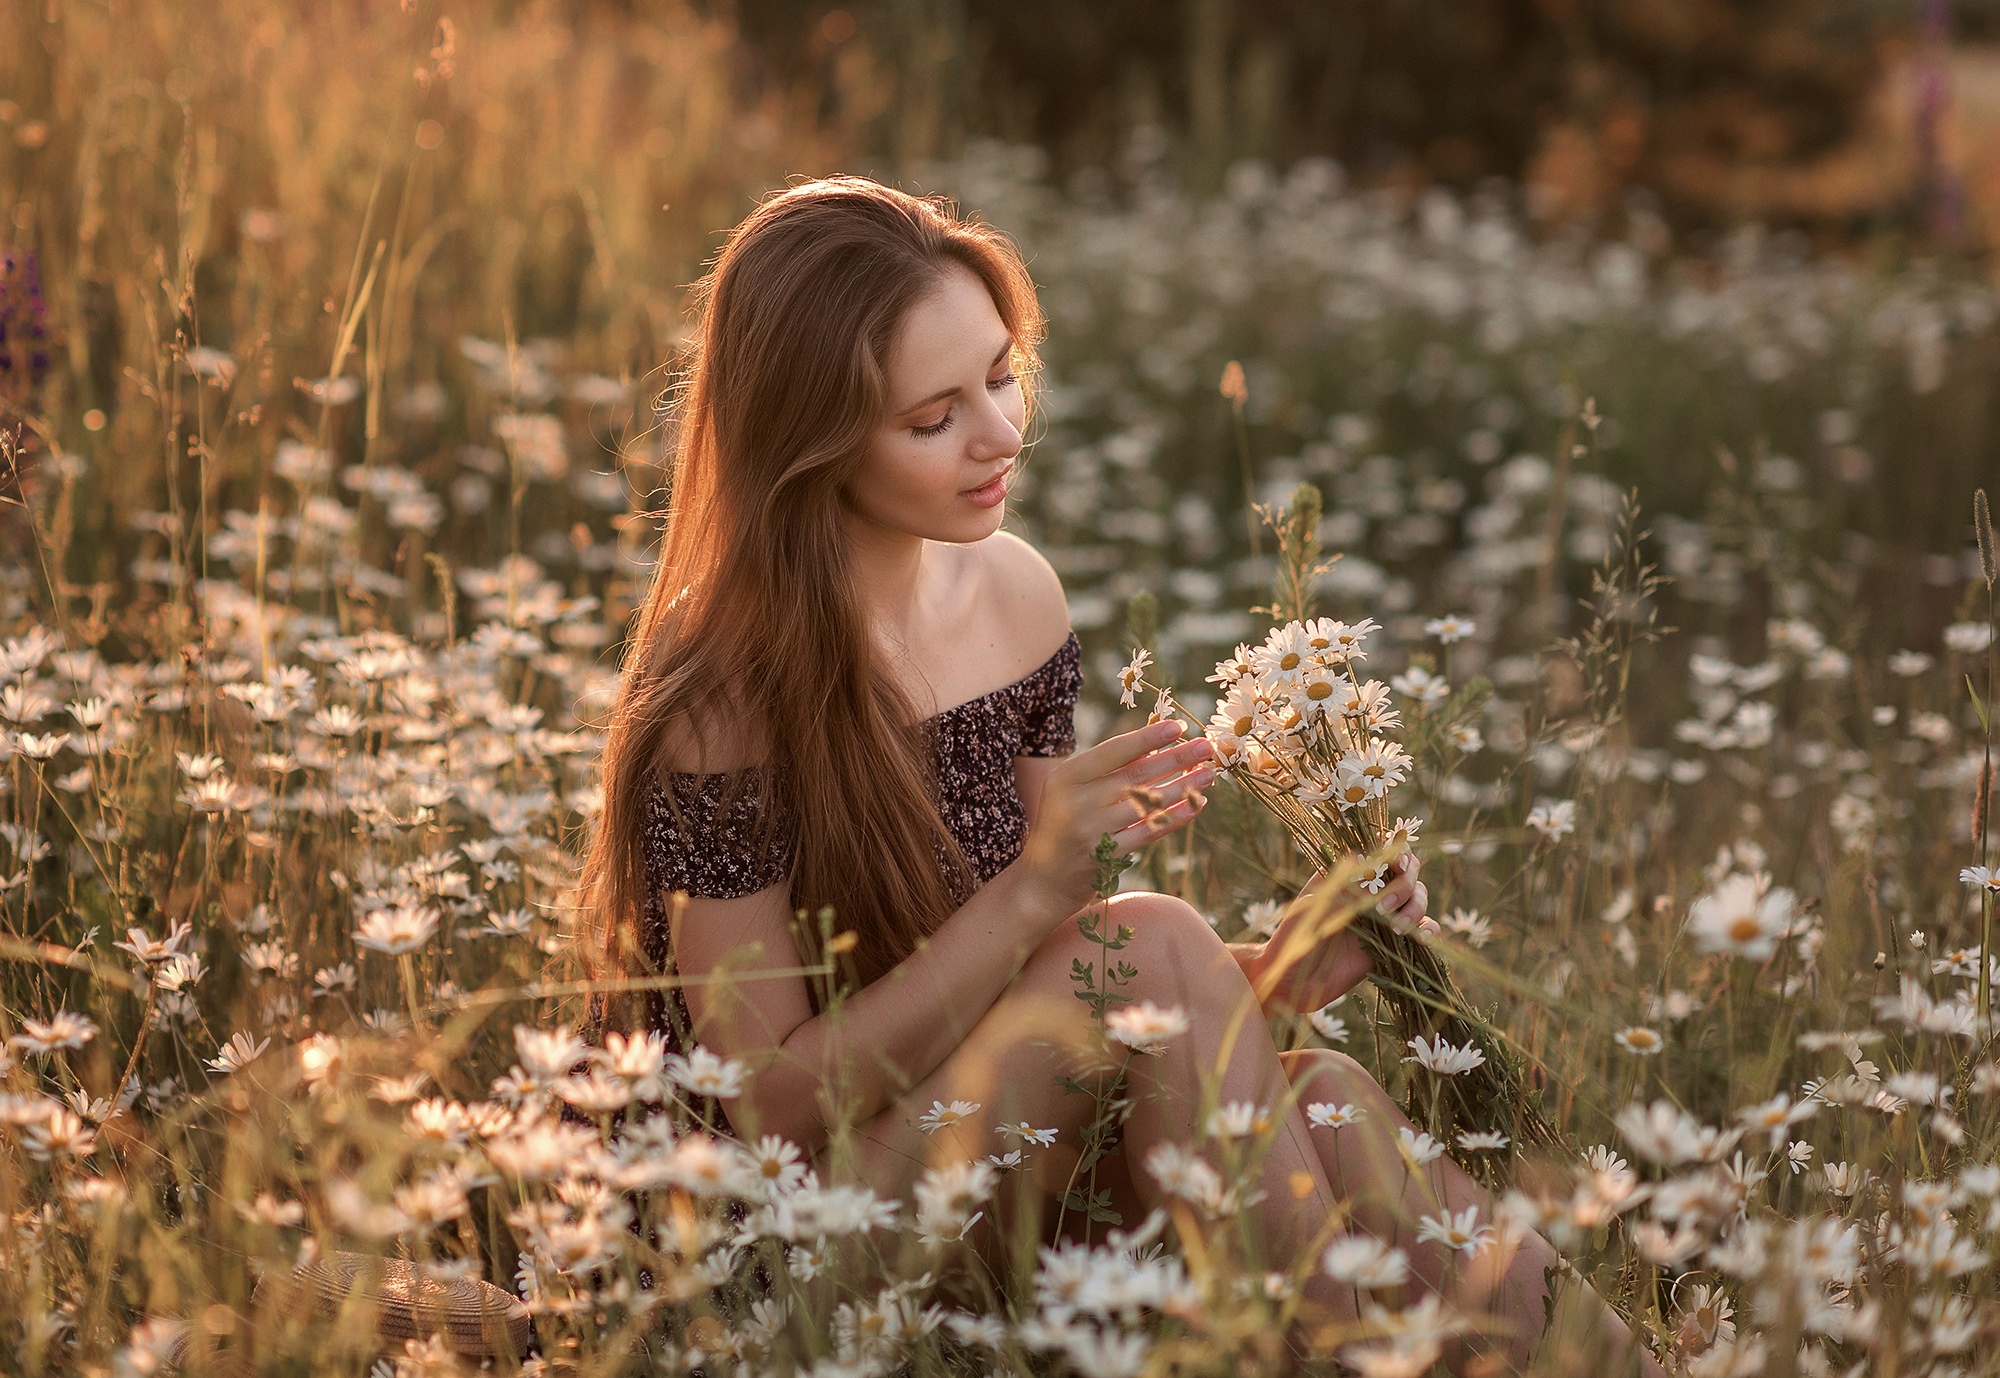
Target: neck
888,568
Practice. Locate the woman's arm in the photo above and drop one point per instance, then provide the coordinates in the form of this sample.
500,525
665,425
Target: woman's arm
1294,978
748,1001
1030,773
890,1034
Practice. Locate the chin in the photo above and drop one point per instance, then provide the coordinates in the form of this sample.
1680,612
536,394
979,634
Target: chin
985,524
965,528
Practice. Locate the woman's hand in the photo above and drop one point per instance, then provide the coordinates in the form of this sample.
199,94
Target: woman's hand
1295,971
1404,901
1138,786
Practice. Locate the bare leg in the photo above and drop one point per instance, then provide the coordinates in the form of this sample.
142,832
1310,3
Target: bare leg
1009,1061
1506,1281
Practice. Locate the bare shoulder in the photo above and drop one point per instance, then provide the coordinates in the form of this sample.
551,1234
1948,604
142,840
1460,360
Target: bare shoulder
705,745
1021,588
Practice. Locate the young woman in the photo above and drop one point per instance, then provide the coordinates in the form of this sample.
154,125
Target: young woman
850,687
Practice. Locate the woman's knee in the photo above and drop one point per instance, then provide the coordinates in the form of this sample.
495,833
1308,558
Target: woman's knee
1171,944
1328,1074
1159,924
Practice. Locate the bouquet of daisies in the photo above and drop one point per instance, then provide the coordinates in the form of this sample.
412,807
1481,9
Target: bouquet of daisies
1310,739
1313,741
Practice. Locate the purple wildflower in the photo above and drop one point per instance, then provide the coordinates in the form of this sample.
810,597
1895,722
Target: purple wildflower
24,332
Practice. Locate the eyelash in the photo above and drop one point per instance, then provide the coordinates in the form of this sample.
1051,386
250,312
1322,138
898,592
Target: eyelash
943,423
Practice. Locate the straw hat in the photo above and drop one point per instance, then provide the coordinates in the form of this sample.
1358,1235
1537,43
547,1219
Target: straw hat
476,1319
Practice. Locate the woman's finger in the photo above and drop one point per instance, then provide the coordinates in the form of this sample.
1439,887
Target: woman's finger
1141,835
1154,798
1395,895
1161,765
1121,750
1411,900
1158,822
1155,776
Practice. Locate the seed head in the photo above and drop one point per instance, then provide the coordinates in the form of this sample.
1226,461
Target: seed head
1233,385
1982,530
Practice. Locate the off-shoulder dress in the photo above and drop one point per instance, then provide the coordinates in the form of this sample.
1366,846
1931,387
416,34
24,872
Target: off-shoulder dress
711,852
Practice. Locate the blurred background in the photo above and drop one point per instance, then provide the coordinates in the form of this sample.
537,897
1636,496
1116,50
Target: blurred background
1656,342
1846,118
408,277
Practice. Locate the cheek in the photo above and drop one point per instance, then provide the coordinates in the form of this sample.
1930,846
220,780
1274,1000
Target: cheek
903,466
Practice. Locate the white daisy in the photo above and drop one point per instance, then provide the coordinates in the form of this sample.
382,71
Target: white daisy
1743,917
1639,1041
1362,1260
1129,678
1461,1231
1283,657
1146,1027
1450,628
1417,1147
1444,1058
942,1116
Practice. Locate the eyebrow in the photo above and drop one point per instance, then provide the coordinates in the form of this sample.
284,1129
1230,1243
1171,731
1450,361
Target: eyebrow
950,392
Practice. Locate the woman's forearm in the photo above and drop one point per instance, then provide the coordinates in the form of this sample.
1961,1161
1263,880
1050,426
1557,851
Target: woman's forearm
896,1030
1290,979
1272,987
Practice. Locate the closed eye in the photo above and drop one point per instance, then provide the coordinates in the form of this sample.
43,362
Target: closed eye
943,423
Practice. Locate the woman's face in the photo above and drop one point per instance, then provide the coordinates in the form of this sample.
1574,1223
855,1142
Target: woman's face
940,459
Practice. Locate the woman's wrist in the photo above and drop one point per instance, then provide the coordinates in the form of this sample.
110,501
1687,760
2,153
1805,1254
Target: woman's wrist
1034,899
1255,961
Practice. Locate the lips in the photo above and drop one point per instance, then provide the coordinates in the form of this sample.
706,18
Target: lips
989,494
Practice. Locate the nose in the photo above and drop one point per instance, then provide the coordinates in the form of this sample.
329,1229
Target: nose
994,434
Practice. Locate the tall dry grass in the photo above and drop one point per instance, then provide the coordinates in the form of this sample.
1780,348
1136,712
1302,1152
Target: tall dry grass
322,517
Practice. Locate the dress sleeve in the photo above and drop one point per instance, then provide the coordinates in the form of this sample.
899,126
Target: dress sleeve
722,845
1048,726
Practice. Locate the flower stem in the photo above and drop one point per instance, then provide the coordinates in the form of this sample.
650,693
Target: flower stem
407,964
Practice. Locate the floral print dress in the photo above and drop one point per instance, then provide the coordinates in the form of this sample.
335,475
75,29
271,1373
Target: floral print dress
723,847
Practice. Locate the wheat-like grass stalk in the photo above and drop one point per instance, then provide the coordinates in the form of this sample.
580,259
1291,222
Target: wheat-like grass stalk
1410,973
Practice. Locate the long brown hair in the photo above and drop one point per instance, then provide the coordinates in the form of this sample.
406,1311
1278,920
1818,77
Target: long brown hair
753,620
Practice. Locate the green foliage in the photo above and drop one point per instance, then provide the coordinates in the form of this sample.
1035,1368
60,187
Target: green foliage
1097,987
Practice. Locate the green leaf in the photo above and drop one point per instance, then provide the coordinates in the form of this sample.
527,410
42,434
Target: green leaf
1097,1205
